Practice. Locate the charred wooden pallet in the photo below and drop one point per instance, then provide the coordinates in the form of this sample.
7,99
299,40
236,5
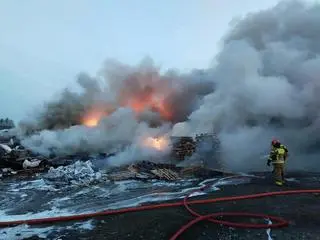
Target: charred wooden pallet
182,147
147,170
165,174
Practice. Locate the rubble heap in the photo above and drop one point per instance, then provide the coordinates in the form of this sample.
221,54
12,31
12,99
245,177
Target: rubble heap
15,159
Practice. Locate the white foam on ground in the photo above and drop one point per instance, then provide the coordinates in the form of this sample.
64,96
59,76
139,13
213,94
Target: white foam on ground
58,205
122,186
158,183
195,194
78,173
24,231
291,180
154,197
38,184
165,196
269,230
53,212
87,225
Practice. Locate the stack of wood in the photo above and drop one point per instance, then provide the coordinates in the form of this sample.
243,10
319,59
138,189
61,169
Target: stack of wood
147,170
182,147
166,174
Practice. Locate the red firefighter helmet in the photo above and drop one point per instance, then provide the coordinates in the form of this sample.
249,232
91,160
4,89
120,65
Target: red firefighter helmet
275,142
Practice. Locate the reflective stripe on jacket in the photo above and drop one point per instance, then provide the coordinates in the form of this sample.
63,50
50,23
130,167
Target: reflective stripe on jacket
281,146
278,155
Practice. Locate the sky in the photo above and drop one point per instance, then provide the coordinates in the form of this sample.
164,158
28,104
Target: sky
45,44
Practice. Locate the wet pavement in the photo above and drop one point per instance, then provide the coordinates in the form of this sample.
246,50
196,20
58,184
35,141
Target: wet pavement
302,212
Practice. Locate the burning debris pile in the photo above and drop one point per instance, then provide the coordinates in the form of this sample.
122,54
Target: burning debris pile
16,159
132,106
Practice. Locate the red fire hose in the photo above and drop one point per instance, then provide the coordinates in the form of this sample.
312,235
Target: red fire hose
279,222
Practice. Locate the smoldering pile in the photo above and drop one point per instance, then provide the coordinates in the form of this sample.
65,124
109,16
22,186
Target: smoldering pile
15,160
264,84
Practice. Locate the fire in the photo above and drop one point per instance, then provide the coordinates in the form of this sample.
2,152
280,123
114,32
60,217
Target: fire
162,109
92,118
91,122
146,98
139,105
159,143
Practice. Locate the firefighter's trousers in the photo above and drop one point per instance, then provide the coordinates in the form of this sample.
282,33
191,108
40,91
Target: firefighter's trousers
278,173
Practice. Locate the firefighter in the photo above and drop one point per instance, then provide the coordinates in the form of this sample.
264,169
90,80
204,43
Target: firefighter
275,143
278,157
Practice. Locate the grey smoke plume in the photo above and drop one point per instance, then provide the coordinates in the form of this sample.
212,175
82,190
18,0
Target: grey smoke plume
119,85
267,85
264,84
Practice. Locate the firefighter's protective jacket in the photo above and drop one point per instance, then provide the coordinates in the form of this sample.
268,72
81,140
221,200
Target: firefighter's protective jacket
278,155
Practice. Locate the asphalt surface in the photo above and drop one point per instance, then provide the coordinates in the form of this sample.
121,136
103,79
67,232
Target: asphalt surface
301,210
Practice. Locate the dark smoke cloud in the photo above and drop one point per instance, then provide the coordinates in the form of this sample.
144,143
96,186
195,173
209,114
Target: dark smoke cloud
264,84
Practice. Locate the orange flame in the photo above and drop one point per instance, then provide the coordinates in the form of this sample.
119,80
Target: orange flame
91,122
148,97
159,143
139,105
151,96
92,119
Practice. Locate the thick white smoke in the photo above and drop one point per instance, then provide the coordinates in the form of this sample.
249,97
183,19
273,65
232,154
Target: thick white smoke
264,84
267,85
118,132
